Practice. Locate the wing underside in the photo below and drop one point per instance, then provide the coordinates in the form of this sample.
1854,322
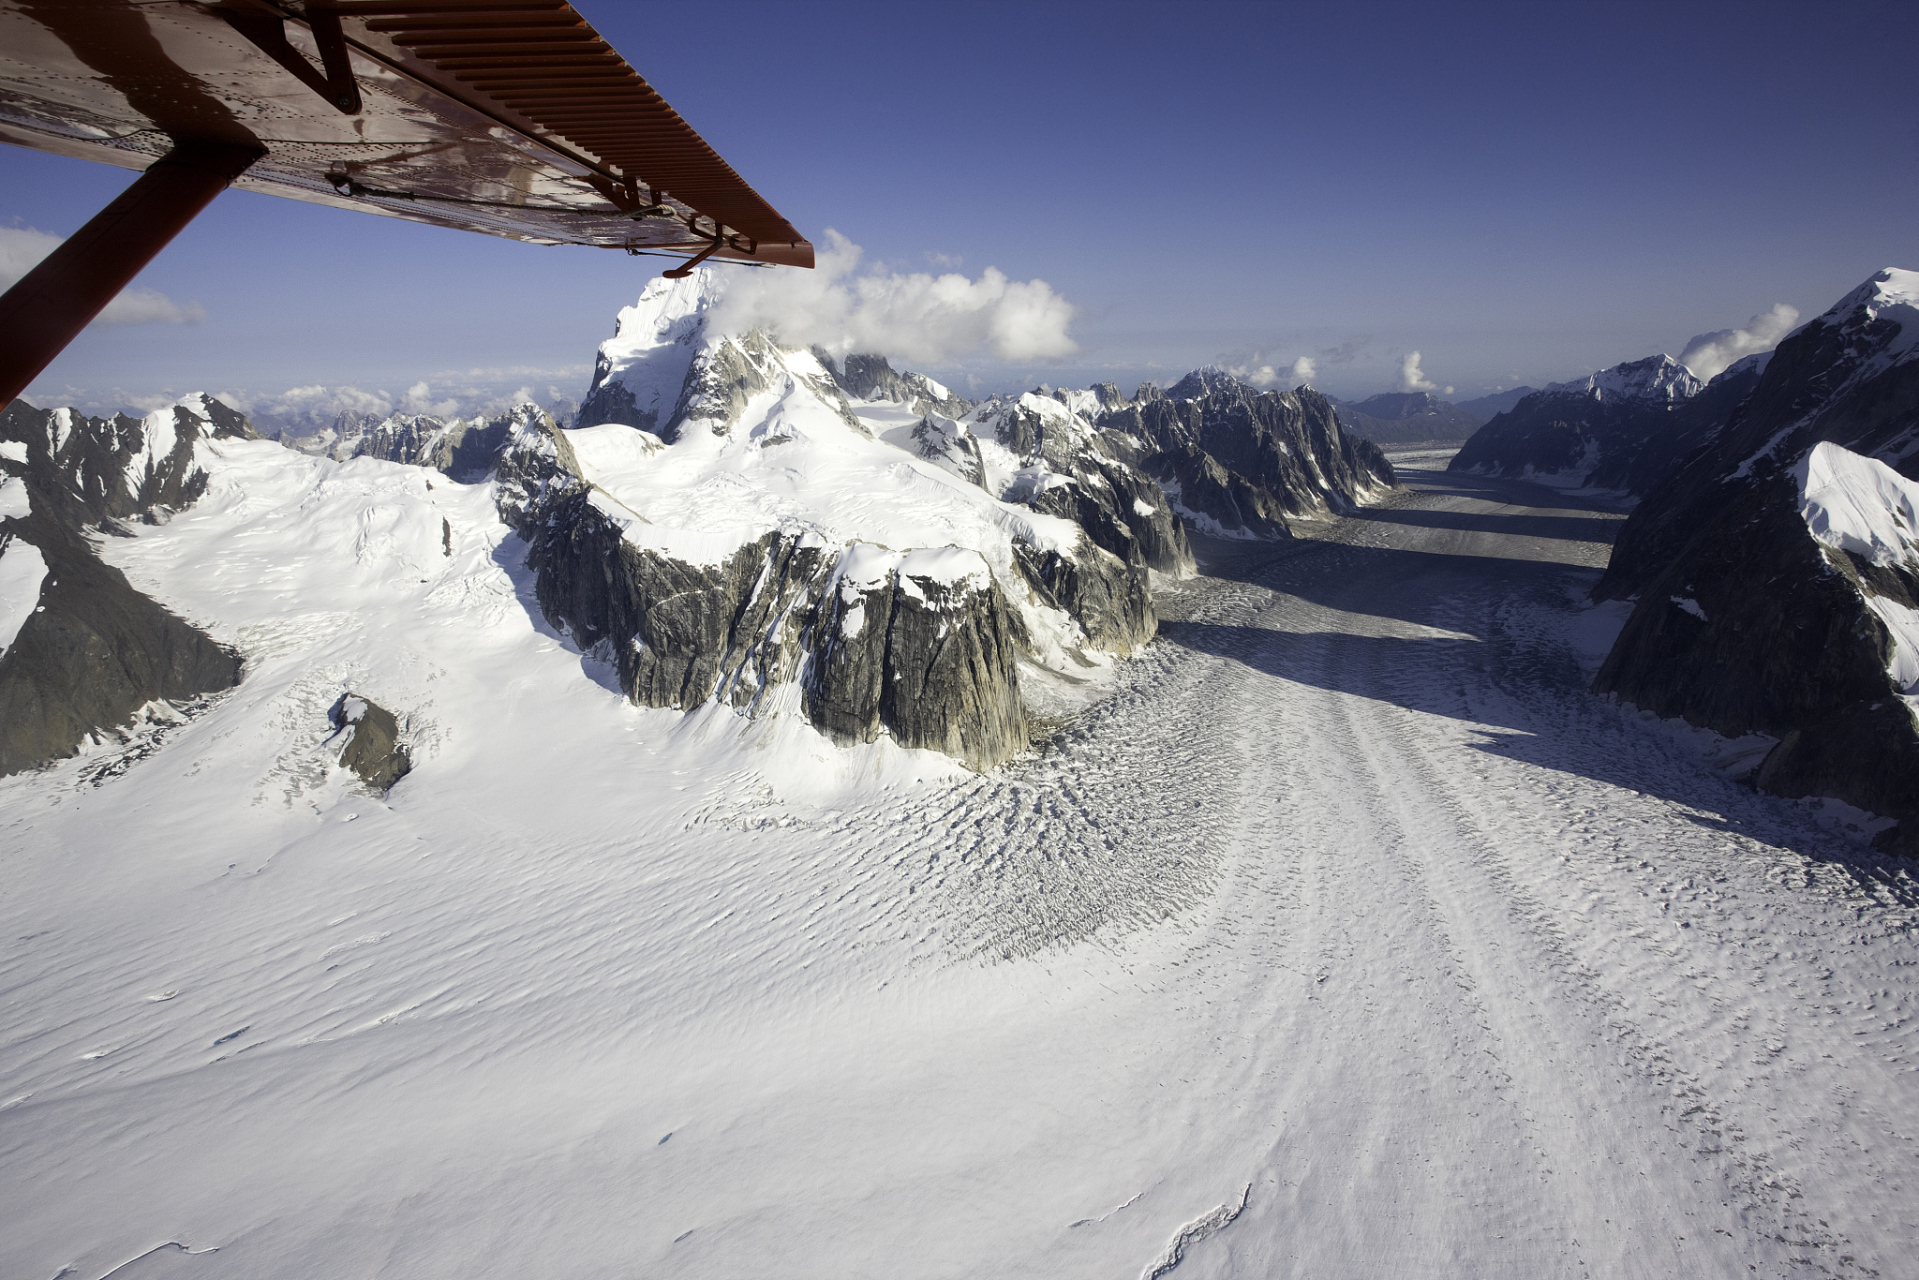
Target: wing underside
506,117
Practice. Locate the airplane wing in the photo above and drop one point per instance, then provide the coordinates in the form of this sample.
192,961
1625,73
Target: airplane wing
506,117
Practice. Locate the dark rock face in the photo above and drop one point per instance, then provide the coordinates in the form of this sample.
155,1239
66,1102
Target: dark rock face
1484,409
1240,461
931,659
869,377
1782,640
1642,412
368,738
464,451
1820,384
96,650
1110,599
1778,640
1788,644
609,400
1398,417
1089,476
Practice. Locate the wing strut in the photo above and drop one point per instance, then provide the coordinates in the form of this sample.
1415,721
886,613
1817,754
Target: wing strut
52,303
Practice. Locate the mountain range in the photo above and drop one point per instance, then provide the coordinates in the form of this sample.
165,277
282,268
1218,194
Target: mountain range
736,523
1770,556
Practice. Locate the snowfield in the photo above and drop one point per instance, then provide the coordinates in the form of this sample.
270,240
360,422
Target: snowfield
1348,937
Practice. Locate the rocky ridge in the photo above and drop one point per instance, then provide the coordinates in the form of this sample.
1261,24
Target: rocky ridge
88,651
1592,431
464,449
1760,606
765,548
1238,462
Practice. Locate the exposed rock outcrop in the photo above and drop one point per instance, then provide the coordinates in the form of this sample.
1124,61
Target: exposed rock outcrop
1775,571
367,736
464,449
871,377
735,551
1240,462
921,644
93,650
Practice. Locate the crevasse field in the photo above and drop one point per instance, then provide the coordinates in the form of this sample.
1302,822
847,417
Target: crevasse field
1347,937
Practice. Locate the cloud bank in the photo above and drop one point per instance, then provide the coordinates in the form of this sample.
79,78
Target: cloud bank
304,410
920,318
1411,378
22,248
1708,354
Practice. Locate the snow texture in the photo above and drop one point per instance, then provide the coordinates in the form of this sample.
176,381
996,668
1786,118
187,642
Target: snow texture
14,503
22,570
1349,895
1858,504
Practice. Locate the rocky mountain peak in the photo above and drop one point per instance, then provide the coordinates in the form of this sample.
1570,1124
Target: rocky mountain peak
1205,382
1656,379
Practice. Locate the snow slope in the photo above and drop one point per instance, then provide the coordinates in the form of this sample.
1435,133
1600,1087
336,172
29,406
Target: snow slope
1862,506
1349,938
1659,380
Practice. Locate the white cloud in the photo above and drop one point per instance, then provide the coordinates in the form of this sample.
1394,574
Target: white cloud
919,318
419,399
1255,373
1708,354
22,248
1410,377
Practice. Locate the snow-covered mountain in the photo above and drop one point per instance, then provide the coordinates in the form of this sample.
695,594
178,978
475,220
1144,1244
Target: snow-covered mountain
729,523
1656,380
1620,428
1774,571
734,523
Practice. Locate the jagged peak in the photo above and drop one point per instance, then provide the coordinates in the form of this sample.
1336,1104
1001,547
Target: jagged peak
1656,379
1204,382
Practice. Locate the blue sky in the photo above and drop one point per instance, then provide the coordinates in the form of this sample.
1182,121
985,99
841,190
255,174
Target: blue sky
1520,192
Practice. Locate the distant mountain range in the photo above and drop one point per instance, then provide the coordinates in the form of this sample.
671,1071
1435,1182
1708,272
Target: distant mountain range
1405,417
